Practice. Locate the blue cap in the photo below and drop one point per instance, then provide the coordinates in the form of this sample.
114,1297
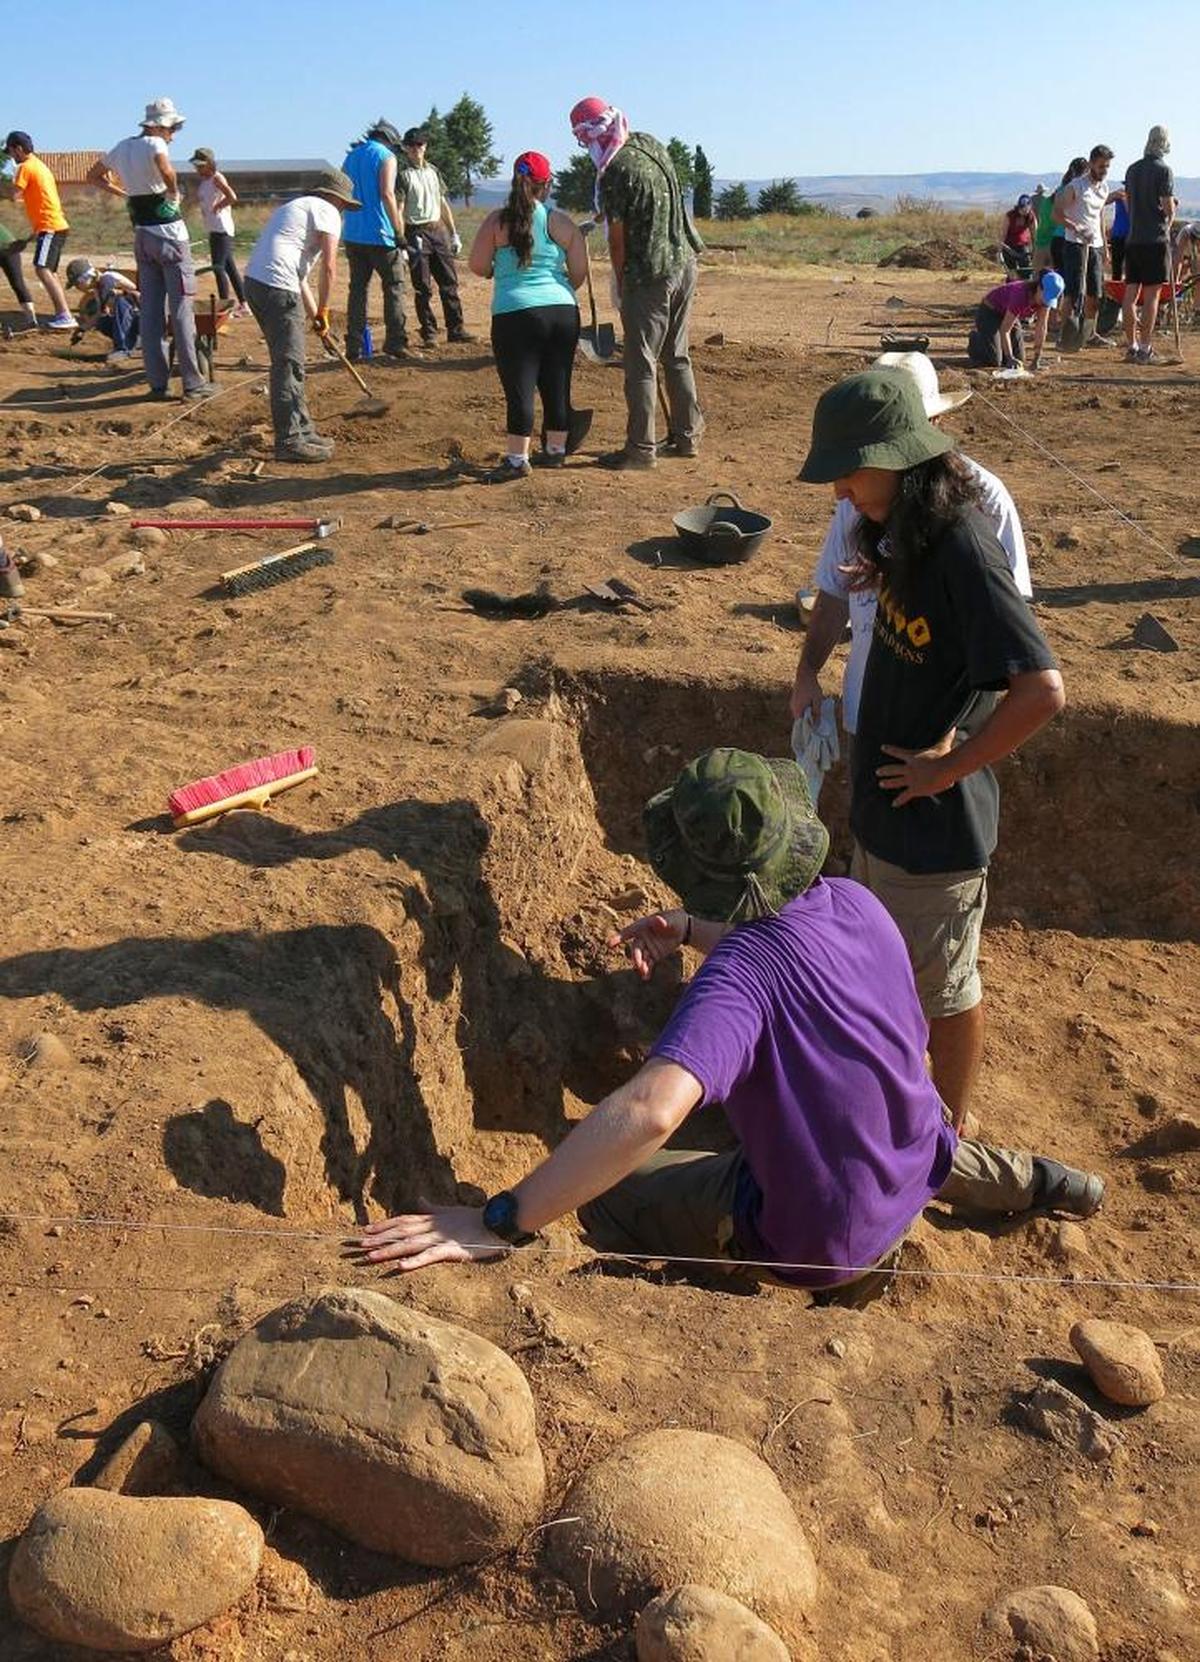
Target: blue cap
1052,287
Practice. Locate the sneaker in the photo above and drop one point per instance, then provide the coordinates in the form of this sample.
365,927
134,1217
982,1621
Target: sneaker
1148,355
305,450
64,320
679,448
1133,355
549,458
506,472
158,395
197,395
119,357
402,355
461,337
1064,1189
627,461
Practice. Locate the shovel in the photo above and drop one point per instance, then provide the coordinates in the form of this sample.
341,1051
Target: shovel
367,405
598,341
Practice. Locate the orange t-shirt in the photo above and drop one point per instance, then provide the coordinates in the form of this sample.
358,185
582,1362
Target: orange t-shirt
42,205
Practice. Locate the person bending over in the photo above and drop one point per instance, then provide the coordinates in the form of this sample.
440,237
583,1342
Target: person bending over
804,1023
997,340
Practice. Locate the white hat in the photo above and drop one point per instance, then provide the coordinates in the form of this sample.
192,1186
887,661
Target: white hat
161,112
917,365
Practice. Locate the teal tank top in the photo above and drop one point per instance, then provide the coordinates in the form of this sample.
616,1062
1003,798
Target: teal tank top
543,282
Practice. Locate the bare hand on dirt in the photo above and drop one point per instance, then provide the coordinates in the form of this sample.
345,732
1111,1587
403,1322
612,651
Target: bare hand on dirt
917,773
806,694
447,1235
651,939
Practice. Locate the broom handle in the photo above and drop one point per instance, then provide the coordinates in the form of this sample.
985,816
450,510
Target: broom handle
65,612
591,290
227,524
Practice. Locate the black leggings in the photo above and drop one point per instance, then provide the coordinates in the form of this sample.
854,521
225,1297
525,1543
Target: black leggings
535,348
220,247
10,265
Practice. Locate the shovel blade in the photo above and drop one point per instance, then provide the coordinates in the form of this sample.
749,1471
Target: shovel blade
598,344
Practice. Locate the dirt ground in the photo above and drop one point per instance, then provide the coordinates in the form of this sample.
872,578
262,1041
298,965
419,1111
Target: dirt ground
396,985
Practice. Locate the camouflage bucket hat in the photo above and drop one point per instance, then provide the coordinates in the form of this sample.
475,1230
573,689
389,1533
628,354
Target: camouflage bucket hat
875,419
736,836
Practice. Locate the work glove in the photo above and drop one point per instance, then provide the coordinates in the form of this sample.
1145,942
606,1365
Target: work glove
321,320
456,244
815,746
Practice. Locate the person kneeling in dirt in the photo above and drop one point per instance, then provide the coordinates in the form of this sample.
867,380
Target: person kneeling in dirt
997,341
108,303
297,233
804,1022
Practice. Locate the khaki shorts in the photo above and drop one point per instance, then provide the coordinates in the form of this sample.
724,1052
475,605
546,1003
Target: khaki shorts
940,915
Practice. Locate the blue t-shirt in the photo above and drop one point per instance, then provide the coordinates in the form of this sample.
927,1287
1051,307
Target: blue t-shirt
543,282
1120,224
807,1026
370,223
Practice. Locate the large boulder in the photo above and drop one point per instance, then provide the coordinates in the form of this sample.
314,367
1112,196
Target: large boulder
1122,1361
117,1573
400,1431
1051,1621
672,1507
694,1624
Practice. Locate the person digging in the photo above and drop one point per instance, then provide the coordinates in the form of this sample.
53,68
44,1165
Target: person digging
804,1022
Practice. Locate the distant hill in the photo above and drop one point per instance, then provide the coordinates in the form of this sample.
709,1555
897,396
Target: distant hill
847,192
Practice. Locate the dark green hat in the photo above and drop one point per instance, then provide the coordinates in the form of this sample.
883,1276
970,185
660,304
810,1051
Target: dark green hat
876,419
736,836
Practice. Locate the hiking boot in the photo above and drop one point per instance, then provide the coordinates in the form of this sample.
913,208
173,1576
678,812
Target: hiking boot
305,450
1064,1189
680,448
11,586
549,458
428,337
628,461
158,395
402,355
461,337
197,395
506,472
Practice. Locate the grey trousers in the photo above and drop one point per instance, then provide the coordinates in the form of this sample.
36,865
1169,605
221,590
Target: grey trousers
655,318
279,313
680,1205
366,260
166,283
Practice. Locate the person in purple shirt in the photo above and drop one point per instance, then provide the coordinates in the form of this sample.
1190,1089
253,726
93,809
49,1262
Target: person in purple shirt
997,341
804,1023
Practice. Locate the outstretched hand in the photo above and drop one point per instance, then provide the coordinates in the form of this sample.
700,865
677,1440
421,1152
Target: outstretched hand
651,939
446,1235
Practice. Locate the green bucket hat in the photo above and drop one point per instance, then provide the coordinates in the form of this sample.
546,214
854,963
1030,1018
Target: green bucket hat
736,836
876,419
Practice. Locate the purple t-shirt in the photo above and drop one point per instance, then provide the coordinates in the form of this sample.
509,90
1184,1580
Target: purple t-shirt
807,1027
1012,297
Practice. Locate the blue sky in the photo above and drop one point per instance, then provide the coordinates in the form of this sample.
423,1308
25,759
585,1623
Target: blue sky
769,88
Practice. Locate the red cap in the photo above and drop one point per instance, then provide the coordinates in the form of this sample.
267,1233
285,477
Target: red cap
588,109
535,165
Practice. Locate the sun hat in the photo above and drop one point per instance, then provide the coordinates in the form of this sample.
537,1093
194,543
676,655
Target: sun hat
79,272
917,365
873,419
736,836
202,154
535,165
1052,287
331,181
415,136
384,133
161,112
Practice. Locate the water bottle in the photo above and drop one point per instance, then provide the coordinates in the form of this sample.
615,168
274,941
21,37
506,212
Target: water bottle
368,348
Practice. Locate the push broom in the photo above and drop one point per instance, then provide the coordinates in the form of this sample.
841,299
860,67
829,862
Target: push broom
252,785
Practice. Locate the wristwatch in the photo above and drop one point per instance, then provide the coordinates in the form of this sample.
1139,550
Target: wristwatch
500,1216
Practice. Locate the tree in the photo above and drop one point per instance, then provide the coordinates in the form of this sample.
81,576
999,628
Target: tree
685,167
779,197
575,184
734,203
440,153
469,133
702,185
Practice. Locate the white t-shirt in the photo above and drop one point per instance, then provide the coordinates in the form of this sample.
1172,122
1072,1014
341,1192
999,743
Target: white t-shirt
290,240
1083,200
220,219
135,164
839,549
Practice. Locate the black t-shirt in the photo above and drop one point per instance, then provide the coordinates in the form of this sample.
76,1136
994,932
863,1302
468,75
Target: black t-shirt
1146,183
933,668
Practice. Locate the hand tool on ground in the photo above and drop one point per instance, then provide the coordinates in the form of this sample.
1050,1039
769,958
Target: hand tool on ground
318,528
598,341
420,527
368,405
275,568
614,591
251,785
57,614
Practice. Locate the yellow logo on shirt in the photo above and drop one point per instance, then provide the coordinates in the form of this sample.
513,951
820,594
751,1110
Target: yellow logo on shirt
901,629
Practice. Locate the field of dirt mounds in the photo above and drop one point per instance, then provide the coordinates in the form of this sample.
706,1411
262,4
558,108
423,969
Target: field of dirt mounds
222,1049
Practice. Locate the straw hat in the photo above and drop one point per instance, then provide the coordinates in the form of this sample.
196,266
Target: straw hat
917,365
161,112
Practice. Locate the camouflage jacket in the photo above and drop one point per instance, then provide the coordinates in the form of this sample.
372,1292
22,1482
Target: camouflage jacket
640,188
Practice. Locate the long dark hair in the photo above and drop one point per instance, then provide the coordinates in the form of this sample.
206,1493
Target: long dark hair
1078,166
931,497
516,215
